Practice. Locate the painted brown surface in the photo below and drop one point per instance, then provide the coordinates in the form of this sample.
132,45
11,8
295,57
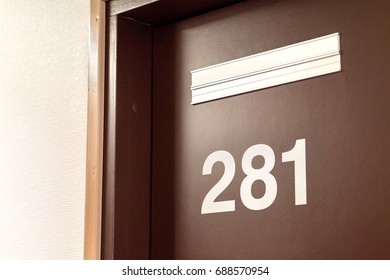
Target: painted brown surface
127,148
160,12
344,117
126,207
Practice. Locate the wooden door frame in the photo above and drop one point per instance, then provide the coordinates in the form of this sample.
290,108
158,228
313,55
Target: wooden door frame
95,130
100,205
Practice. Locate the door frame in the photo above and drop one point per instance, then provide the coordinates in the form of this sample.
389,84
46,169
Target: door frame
95,130
102,141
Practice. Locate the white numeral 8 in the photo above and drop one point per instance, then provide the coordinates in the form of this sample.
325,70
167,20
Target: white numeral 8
262,174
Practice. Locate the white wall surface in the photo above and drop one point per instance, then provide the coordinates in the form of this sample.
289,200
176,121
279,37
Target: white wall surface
43,121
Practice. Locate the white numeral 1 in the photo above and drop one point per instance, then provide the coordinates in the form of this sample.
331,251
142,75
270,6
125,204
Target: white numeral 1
298,156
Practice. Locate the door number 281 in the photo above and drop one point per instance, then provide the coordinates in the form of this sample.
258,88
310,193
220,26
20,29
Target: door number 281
296,154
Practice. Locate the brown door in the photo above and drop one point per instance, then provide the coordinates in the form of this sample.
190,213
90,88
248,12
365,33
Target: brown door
339,123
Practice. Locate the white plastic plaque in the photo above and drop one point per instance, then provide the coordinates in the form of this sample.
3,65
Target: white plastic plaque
295,62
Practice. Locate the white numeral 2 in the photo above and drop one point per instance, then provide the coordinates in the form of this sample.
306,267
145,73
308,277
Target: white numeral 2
209,204
297,154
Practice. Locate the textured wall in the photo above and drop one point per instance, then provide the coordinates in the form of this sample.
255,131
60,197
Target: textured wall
43,119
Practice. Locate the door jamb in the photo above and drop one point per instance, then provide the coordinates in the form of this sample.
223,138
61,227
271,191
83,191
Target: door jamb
100,11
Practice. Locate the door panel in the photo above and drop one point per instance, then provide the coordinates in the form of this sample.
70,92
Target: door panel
343,117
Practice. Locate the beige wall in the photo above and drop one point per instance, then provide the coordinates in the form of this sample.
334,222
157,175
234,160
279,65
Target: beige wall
43,110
